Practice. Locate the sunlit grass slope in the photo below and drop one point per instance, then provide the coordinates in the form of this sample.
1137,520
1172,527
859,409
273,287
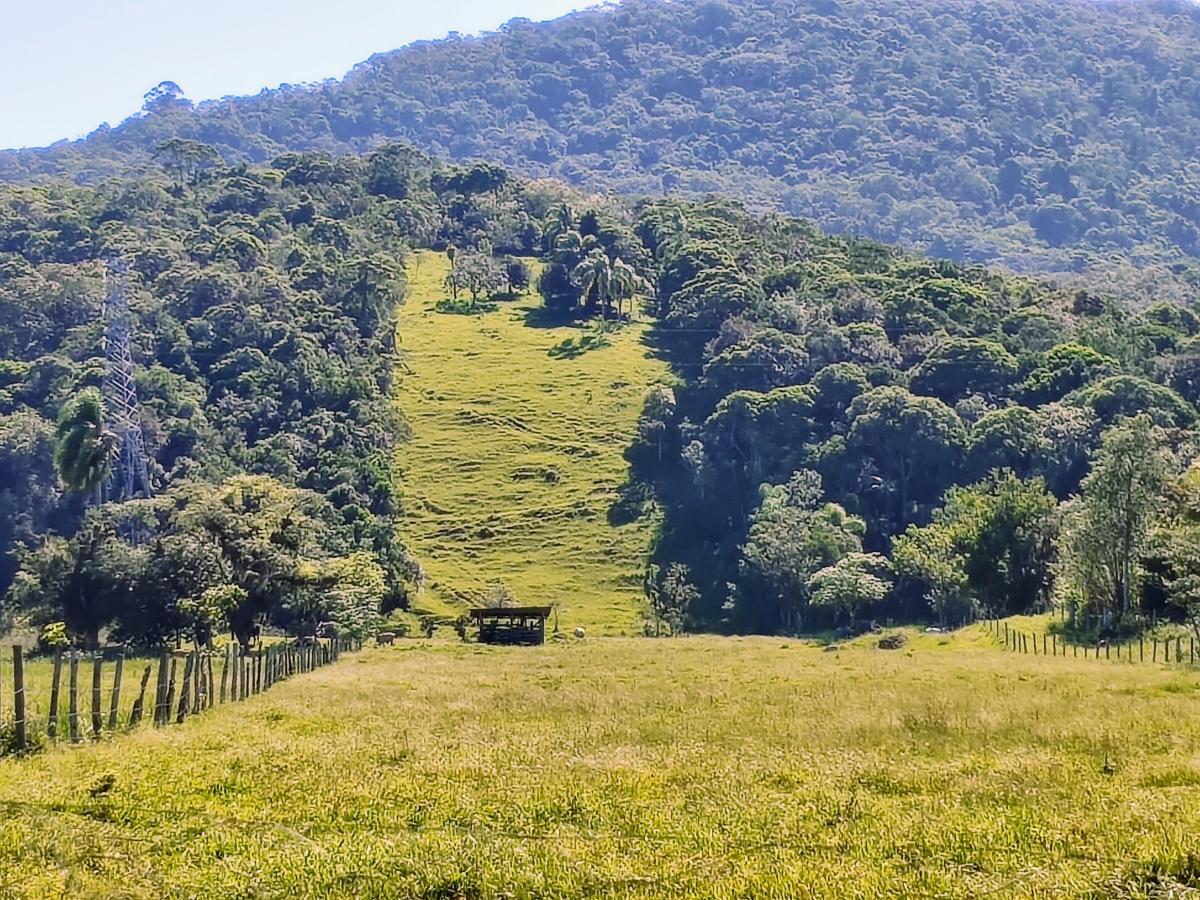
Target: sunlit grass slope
697,767
516,456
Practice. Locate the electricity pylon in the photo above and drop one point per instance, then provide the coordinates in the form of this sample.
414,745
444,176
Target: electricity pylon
130,477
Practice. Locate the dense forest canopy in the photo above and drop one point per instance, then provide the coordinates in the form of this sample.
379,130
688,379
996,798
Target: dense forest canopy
1046,136
863,433
264,344
855,431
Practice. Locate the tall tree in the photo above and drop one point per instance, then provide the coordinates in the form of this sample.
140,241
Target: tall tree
1109,525
83,451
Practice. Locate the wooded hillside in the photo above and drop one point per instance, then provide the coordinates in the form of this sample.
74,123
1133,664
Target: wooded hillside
1046,136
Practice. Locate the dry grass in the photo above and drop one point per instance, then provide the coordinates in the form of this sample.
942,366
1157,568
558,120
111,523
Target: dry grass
516,456
698,767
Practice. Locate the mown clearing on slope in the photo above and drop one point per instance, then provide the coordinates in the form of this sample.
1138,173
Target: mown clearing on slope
702,767
516,455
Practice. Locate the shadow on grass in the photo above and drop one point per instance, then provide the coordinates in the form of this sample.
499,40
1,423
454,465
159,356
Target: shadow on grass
464,307
572,349
635,500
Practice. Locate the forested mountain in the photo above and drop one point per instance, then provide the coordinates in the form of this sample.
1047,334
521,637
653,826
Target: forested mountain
1044,135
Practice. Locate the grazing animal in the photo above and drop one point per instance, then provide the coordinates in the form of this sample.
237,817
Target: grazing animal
384,638
580,633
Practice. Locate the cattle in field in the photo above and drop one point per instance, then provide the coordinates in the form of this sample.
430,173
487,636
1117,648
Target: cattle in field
385,638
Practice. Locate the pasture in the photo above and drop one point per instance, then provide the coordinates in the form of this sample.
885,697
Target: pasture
515,461
698,767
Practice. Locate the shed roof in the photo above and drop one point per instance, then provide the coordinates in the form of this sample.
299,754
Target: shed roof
515,612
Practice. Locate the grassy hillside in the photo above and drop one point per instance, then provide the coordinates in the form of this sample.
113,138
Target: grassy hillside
516,456
700,767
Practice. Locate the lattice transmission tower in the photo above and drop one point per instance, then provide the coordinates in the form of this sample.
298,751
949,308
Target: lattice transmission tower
130,476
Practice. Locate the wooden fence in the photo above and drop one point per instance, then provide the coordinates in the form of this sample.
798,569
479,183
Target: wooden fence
1177,649
186,684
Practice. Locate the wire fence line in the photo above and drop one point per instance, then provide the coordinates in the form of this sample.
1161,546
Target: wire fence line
1177,650
186,683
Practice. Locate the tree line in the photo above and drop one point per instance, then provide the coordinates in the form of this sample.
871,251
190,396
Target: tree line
1045,136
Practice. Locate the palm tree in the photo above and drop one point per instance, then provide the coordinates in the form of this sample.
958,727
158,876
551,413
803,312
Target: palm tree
84,450
560,221
626,283
594,276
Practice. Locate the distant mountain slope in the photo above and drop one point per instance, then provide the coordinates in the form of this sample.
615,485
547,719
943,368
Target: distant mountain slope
1046,136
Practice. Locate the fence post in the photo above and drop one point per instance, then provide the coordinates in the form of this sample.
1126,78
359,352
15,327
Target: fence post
19,696
185,690
139,705
224,672
52,722
160,689
73,699
170,701
97,696
210,697
1178,649
115,700
1166,650
197,680
1074,651
1154,650
1141,648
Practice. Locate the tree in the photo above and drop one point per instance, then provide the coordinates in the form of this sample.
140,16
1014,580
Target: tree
1175,540
855,581
1108,527
991,544
186,160
84,449
260,532
793,535
671,595
962,367
915,444
85,581
477,272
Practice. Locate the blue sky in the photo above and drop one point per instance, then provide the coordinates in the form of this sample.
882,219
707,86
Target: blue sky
68,65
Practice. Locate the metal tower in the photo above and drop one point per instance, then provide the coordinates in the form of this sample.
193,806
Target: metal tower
130,478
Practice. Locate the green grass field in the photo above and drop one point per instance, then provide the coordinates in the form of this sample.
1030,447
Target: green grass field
515,459
697,767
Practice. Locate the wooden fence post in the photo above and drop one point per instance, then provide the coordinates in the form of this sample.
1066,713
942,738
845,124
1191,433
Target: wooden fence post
1166,650
1178,649
169,704
115,700
139,705
160,690
19,697
73,699
224,672
212,682
97,696
1141,648
52,722
1154,650
185,689
1075,651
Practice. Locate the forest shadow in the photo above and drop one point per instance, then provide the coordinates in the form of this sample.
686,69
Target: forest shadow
635,498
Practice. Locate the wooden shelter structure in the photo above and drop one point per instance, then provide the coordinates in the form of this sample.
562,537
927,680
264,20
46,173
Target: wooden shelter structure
524,625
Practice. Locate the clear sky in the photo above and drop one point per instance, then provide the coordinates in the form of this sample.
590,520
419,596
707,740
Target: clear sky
68,65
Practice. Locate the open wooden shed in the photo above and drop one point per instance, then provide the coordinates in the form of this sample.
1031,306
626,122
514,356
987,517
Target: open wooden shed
524,625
